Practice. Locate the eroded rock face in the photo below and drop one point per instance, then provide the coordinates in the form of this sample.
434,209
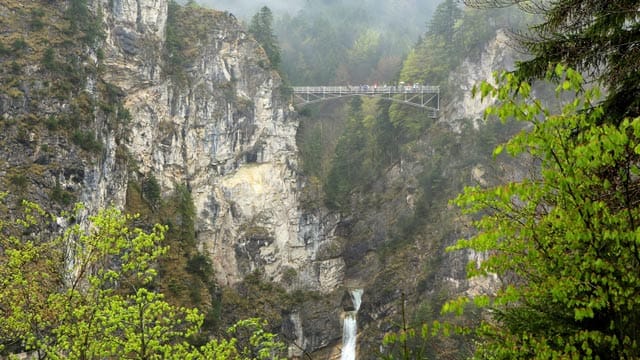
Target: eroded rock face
227,135
497,55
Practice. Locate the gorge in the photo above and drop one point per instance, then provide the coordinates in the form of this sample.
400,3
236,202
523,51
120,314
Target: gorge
174,105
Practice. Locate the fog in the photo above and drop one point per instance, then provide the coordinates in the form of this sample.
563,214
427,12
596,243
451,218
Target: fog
246,8
386,8
401,16
339,41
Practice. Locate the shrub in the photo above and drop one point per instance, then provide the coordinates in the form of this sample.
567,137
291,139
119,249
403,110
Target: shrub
36,23
48,59
201,266
87,141
61,196
151,190
19,44
4,50
19,180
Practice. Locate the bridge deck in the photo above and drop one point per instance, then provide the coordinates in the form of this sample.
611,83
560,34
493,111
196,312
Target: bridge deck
366,89
423,96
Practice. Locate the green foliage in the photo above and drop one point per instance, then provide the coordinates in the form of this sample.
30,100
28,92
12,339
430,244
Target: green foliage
19,45
36,23
386,137
260,344
175,43
87,141
48,59
61,65
347,160
84,23
317,62
185,214
411,343
19,180
362,57
443,22
200,265
261,27
348,168
71,296
15,69
187,28
420,340
4,50
151,190
452,35
185,275
123,114
591,37
86,294
564,242
61,196
311,152
256,296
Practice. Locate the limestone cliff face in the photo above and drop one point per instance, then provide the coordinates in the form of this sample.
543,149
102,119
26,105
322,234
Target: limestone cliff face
497,55
193,103
224,132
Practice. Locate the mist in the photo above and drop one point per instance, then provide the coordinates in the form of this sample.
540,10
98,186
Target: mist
339,41
391,11
246,8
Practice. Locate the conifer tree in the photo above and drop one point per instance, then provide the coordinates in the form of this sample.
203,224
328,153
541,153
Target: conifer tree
444,20
261,27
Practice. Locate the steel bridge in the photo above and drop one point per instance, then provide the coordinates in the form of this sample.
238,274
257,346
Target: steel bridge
426,97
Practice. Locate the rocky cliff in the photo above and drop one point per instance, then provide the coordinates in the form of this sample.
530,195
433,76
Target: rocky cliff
102,99
104,95
224,132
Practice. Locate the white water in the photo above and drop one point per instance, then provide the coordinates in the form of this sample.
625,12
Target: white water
350,327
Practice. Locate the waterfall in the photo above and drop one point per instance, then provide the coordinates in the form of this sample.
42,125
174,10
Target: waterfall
350,327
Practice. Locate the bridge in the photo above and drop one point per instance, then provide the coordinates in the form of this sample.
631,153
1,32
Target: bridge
426,97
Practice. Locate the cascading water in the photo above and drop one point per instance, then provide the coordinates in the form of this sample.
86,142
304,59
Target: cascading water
350,327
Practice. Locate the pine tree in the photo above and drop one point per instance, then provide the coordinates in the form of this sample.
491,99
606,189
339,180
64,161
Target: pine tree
444,20
261,28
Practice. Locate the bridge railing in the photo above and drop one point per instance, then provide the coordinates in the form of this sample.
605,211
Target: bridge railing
367,89
424,96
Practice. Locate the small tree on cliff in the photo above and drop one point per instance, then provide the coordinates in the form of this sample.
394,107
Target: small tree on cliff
261,27
564,242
